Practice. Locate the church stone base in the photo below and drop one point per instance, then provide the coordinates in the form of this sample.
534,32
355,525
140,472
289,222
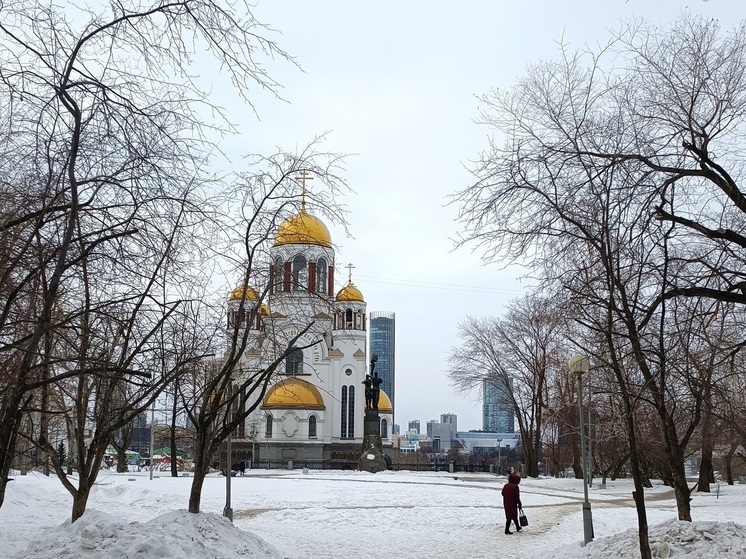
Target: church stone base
371,456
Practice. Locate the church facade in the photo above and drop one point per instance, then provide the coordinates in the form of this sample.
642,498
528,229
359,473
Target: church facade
313,410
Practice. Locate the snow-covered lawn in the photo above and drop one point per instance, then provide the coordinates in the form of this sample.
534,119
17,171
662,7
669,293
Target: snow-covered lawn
336,514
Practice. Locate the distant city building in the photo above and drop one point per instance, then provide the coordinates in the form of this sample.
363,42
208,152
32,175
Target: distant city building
382,343
414,425
443,432
487,443
429,428
497,407
396,429
450,419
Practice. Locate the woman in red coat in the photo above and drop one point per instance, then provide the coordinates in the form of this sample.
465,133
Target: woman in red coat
511,501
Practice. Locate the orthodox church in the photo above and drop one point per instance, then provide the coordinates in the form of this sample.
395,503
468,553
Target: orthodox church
313,410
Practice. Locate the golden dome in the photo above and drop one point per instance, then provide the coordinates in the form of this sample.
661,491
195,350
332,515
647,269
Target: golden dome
384,403
244,293
350,293
303,229
294,393
264,310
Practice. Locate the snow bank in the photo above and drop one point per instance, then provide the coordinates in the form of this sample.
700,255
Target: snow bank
172,535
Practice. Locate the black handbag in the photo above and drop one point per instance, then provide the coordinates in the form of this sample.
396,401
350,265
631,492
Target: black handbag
522,520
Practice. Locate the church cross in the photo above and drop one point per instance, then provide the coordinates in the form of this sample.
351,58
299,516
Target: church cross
303,177
349,271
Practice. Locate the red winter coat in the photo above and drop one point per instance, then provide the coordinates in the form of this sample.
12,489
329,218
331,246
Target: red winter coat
512,497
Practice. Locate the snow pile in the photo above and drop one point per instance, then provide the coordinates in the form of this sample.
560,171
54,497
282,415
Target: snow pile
172,535
673,539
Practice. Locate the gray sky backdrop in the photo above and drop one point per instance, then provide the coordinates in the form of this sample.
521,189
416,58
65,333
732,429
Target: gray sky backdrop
395,82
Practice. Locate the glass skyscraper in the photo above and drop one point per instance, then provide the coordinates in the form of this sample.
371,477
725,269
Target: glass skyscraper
382,343
497,409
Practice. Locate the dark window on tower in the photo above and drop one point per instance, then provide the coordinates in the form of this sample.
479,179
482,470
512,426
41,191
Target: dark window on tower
294,362
268,427
277,274
321,275
384,429
348,319
300,273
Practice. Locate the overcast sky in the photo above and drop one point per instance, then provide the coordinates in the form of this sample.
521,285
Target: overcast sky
396,83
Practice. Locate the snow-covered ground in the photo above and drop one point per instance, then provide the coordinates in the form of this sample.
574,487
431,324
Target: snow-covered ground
334,514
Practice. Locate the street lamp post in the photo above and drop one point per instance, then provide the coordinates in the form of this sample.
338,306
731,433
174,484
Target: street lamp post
499,456
152,427
579,364
228,511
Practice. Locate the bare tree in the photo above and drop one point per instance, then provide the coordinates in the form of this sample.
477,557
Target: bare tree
608,180
221,396
106,138
521,353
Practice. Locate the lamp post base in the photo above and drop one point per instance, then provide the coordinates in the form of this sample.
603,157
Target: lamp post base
228,513
587,524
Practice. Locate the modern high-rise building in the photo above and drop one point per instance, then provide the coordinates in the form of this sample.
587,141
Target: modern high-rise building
414,425
430,428
450,419
382,338
497,409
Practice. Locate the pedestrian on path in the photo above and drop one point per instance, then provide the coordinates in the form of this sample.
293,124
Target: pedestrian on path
511,501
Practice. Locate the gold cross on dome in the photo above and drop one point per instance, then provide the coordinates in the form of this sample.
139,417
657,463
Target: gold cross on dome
349,271
303,177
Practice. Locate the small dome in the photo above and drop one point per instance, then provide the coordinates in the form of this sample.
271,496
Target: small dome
303,229
244,293
384,403
350,293
294,393
264,310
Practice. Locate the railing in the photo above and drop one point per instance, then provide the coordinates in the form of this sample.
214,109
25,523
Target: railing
339,464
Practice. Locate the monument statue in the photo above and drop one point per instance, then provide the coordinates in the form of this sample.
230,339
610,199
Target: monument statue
372,455
368,392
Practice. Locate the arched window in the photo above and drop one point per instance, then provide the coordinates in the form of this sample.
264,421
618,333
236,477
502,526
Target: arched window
343,434
300,273
294,362
312,427
321,275
348,319
351,413
268,427
384,429
277,275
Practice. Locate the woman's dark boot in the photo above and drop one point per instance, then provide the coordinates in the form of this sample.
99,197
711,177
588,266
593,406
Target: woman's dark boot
507,527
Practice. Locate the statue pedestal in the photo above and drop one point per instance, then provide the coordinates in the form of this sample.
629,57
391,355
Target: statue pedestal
371,456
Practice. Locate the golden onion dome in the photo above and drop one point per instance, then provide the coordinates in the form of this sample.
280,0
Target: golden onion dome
303,229
244,293
264,310
350,293
294,393
384,403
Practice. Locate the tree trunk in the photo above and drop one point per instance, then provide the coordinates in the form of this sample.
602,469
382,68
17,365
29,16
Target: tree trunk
201,467
172,431
80,498
676,465
8,435
639,479
705,471
122,461
202,455
705,465
728,463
